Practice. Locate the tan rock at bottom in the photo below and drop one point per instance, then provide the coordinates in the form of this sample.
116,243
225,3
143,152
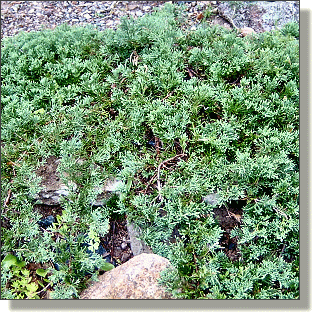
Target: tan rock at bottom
135,279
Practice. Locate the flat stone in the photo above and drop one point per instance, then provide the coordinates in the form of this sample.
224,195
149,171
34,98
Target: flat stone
135,279
137,245
261,15
211,198
53,189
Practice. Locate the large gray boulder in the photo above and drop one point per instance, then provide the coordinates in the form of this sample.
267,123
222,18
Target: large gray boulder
135,279
261,16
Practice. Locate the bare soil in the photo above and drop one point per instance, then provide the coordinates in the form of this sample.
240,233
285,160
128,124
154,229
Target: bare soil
229,218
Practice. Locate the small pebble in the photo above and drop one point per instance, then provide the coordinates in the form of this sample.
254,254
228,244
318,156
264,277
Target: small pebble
246,31
123,245
46,222
125,257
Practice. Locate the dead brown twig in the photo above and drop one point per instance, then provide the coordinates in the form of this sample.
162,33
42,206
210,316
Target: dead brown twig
158,147
151,180
280,212
167,96
161,165
157,174
6,202
236,216
134,58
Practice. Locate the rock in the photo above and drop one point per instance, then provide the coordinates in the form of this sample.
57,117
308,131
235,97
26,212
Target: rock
215,11
260,15
125,257
132,6
110,186
137,245
135,279
246,31
52,186
278,13
46,222
211,198
53,189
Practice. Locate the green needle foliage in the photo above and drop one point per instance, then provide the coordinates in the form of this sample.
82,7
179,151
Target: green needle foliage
176,115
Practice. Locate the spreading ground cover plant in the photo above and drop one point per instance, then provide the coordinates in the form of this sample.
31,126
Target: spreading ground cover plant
176,115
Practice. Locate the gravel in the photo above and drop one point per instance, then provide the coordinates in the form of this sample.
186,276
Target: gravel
28,16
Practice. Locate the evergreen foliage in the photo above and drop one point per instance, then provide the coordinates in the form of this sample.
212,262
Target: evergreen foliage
175,114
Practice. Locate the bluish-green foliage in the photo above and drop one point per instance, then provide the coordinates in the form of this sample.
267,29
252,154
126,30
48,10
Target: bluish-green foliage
224,109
